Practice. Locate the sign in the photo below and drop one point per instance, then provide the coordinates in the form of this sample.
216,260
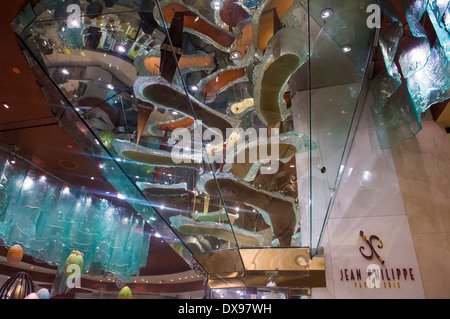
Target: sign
376,275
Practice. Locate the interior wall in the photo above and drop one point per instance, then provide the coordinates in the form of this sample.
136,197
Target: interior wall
423,168
369,200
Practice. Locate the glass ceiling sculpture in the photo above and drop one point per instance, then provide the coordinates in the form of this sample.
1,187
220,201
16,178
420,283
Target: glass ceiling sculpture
416,53
167,96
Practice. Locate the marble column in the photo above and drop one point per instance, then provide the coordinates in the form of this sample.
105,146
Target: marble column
423,170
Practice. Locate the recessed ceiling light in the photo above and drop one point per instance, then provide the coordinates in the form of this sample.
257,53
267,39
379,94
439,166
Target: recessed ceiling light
16,70
346,48
327,13
235,55
64,71
120,196
92,177
194,88
6,106
216,4
121,48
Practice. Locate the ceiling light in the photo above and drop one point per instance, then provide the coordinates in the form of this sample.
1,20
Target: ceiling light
120,196
6,106
92,177
16,70
110,86
121,48
194,88
236,55
64,71
327,13
216,4
346,48
27,183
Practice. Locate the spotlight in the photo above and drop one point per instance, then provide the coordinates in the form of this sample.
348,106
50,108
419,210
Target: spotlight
327,13
346,48
235,55
216,4
121,48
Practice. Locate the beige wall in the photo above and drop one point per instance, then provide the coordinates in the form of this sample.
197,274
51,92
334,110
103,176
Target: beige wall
423,168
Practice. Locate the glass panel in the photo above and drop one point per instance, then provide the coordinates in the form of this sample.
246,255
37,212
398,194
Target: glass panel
250,168
341,44
224,124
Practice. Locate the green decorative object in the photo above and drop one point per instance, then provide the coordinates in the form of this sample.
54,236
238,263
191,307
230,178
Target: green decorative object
125,293
75,258
107,136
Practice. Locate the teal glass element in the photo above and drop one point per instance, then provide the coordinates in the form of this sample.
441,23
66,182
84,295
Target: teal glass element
50,219
418,74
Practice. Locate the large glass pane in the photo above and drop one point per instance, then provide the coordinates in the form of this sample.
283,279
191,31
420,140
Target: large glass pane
333,88
223,123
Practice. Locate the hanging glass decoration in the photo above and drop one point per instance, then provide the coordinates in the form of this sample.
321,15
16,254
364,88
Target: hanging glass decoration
51,219
417,68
